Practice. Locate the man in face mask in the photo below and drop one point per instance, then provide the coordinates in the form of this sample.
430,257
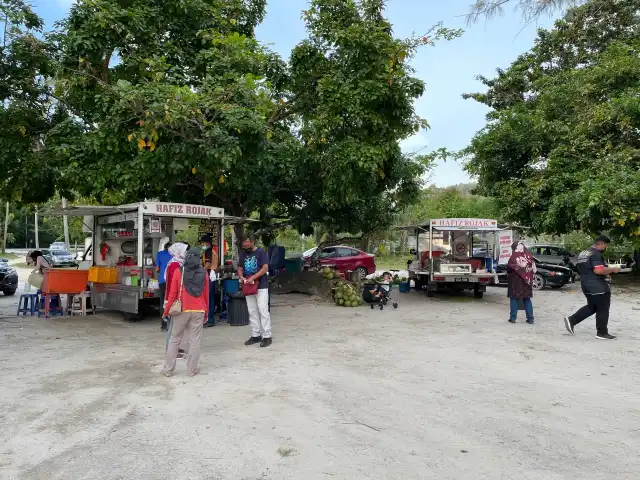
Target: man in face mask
253,266
594,279
209,262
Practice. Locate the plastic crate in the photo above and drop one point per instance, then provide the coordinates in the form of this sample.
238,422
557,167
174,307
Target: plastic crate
103,275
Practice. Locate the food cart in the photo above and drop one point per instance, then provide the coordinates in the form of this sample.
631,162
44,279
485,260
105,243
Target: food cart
125,241
465,261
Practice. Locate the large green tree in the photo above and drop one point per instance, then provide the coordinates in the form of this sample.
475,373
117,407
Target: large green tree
177,100
28,115
530,10
561,150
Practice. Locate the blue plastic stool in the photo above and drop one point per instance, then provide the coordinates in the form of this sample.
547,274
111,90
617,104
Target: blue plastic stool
55,306
28,304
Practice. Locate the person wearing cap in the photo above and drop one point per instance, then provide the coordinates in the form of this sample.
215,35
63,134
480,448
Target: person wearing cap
210,264
594,279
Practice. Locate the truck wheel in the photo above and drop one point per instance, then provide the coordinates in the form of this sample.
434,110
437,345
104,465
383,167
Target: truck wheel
430,293
478,294
418,284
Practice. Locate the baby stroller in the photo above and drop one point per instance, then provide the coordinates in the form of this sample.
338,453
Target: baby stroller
382,296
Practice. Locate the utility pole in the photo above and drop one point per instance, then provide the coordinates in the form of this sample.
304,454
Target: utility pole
6,228
36,230
65,223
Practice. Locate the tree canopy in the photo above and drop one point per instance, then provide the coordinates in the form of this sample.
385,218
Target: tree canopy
561,151
531,10
177,100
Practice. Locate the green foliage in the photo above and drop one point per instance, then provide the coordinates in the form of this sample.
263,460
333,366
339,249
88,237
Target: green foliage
199,111
27,114
451,202
531,10
560,151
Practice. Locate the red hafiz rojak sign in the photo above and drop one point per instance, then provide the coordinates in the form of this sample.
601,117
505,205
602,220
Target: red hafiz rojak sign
464,224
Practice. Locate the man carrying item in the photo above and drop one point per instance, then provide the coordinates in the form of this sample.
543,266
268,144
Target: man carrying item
210,264
253,266
594,278
162,260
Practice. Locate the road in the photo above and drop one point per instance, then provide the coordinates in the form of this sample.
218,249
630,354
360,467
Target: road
442,388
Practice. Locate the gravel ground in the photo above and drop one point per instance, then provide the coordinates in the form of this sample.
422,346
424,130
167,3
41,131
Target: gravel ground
440,389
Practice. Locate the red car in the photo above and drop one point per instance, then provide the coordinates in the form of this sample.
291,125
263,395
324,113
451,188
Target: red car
345,258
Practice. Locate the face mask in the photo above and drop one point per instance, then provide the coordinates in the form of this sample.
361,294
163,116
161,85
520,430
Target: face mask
248,250
203,248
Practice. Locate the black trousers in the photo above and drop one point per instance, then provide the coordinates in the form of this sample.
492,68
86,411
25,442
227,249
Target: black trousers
163,292
598,305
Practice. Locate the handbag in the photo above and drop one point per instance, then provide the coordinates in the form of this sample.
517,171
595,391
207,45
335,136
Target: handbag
36,279
176,306
249,289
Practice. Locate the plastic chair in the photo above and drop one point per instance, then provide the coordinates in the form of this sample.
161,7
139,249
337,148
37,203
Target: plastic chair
55,307
77,304
28,303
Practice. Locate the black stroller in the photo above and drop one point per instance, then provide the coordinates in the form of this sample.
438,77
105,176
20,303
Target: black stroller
384,297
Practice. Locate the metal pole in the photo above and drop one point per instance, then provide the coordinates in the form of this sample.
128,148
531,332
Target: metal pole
65,224
140,239
6,228
36,230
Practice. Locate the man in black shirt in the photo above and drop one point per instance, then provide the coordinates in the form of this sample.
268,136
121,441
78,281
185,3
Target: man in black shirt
210,262
594,278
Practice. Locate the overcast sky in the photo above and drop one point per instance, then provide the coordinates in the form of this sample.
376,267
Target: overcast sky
449,69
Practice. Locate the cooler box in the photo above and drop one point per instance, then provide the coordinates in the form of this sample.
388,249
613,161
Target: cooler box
230,286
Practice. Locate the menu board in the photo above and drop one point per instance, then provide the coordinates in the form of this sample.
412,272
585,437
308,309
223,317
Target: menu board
211,227
505,239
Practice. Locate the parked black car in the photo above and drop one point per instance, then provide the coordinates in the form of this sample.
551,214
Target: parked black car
8,278
547,275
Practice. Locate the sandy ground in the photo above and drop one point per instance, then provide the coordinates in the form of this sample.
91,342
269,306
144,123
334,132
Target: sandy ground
440,389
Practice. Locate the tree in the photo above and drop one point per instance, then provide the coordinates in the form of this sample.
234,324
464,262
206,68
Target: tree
27,114
531,9
560,151
178,100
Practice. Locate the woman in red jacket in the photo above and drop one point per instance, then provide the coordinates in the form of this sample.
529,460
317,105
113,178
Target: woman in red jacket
190,285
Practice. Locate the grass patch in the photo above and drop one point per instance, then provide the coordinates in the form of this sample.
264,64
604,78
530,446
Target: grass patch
9,256
392,263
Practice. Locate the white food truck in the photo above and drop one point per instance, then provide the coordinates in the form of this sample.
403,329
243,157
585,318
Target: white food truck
125,241
467,261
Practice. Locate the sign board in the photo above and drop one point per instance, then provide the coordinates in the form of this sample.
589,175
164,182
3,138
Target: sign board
181,210
464,224
505,239
154,226
210,227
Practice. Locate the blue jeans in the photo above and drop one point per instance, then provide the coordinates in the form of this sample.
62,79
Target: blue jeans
528,308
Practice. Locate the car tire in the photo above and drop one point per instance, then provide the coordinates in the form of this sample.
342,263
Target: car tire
9,293
362,272
478,293
539,282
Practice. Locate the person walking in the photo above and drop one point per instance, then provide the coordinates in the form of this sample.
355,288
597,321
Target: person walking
520,270
210,263
162,260
594,279
253,266
178,252
190,286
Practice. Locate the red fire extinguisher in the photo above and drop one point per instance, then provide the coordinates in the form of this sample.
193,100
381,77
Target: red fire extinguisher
104,250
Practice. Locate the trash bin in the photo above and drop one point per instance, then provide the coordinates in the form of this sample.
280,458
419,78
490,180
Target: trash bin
293,265
238,314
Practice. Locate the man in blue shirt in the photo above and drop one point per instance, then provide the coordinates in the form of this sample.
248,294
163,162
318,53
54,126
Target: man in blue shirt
253,266
162,260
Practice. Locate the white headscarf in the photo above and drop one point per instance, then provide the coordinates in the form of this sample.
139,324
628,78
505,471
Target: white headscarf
178,253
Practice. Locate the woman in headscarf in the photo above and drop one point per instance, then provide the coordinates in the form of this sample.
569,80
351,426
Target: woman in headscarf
191,286
178,252
520,268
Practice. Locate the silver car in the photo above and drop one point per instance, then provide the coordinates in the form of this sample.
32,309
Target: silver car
553,254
